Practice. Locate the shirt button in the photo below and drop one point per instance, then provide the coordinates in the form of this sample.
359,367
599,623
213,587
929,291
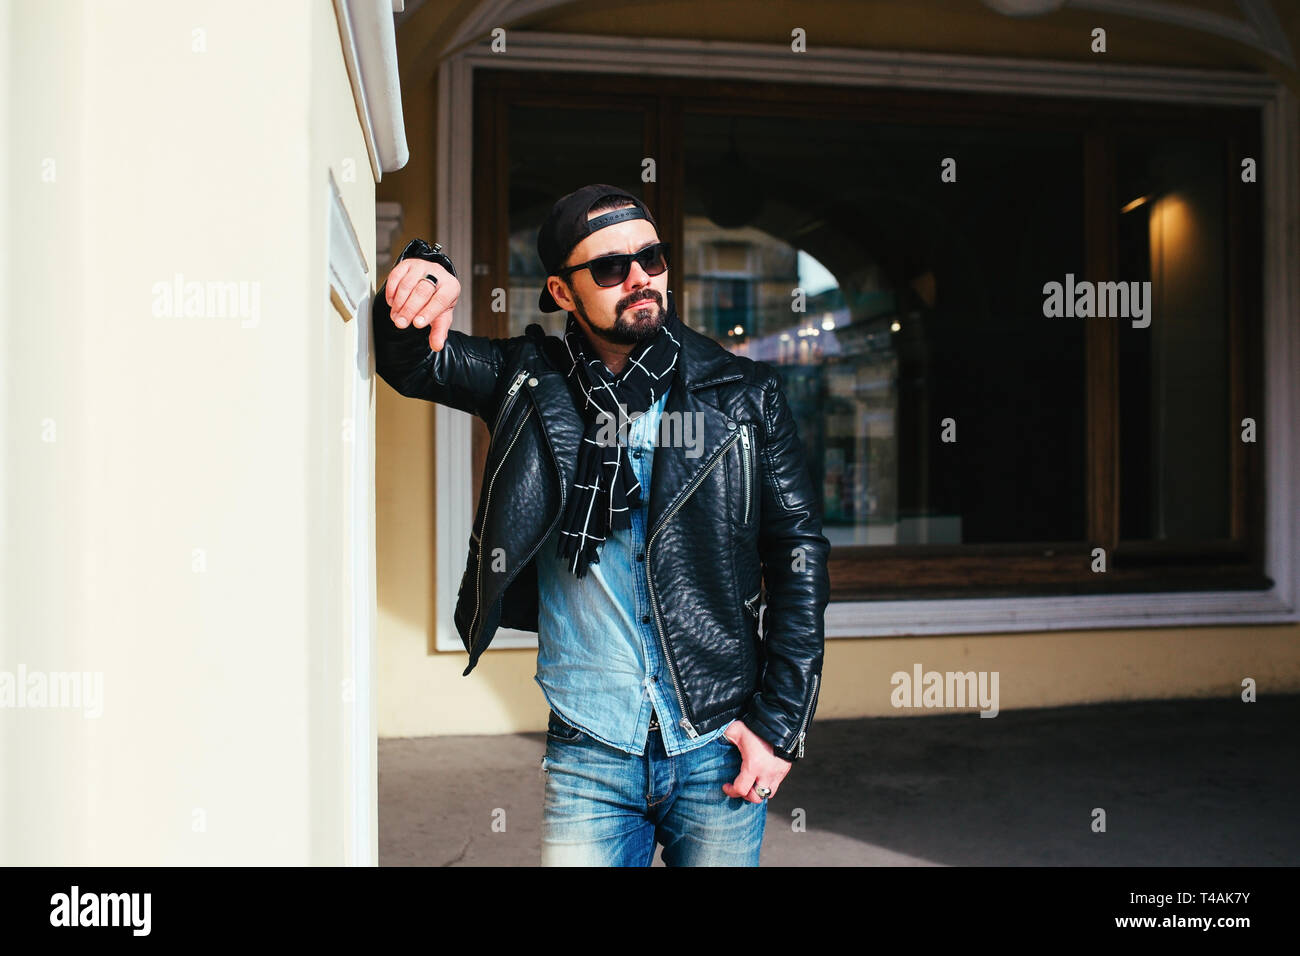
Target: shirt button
637,453
645,618
640,556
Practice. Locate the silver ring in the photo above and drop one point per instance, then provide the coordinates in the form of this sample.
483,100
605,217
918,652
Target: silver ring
431,278
762,791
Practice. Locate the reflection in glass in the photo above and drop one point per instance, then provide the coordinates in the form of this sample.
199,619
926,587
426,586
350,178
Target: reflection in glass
936,403
1174,429
547,160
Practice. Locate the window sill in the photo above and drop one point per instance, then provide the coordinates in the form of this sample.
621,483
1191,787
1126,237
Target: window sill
1057,613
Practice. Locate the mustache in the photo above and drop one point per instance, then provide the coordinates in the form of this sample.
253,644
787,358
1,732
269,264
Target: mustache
651,297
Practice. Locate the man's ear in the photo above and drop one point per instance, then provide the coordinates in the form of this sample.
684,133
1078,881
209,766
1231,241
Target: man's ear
556,291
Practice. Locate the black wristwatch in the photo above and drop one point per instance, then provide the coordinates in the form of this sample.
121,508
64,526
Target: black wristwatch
419,249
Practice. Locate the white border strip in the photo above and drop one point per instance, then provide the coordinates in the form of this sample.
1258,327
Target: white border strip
863,68
348,276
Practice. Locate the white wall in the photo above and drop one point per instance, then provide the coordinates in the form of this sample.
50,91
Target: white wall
177,486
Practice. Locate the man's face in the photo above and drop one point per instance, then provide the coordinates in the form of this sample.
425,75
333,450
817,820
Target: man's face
624,314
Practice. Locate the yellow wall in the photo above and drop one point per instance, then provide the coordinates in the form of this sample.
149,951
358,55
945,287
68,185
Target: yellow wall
423,692
135,442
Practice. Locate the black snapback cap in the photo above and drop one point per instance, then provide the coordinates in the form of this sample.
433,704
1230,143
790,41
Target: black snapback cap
567,225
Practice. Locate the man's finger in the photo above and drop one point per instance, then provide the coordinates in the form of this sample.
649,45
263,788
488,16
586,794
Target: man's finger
390,286
394,283
412,295
438,329
743,783
437,305
399,295
440,303
443,300
402,279
410,281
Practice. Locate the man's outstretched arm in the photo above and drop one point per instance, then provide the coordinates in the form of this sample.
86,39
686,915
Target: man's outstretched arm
417,351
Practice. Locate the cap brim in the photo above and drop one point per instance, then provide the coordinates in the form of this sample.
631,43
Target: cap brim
546,302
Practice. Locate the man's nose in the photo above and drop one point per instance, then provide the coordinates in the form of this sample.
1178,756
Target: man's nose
637,276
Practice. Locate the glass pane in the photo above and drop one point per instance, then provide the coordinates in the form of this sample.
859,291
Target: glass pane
551,155
1174,429
937,404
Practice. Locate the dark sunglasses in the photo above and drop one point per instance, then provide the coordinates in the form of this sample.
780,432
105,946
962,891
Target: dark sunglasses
612,270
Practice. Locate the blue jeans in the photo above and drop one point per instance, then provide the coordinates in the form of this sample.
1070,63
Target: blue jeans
606,807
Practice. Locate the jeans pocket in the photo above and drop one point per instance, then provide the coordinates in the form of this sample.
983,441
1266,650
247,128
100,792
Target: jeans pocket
557,729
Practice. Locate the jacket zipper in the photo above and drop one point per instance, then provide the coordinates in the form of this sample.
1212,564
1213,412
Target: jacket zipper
505,407
487,500
744,458
685,722
537,547
812,702
508,400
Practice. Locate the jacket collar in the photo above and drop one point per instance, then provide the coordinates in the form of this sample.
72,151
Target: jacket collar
702,363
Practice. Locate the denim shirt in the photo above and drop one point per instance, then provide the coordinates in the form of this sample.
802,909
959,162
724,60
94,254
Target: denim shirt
599,660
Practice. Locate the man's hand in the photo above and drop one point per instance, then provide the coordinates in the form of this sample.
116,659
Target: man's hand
759,764
414,300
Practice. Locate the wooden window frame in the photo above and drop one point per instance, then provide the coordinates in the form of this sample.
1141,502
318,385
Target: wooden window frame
1020,568
1085,92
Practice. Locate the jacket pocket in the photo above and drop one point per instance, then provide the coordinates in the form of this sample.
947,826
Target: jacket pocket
507,402
748,469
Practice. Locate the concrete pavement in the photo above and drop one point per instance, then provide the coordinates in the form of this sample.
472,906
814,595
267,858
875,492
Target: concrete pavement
1183,783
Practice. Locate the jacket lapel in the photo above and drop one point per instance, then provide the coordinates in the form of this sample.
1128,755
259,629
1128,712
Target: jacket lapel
692,428
561,423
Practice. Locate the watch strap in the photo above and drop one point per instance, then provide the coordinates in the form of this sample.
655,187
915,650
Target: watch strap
419,249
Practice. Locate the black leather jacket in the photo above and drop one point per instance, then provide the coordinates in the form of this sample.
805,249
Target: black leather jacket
739,515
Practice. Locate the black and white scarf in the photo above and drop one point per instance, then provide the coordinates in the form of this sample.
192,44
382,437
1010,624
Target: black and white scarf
604,485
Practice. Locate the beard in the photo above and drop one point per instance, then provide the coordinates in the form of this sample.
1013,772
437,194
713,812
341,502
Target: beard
631,325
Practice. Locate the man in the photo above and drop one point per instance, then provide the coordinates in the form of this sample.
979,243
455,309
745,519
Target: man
642,483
